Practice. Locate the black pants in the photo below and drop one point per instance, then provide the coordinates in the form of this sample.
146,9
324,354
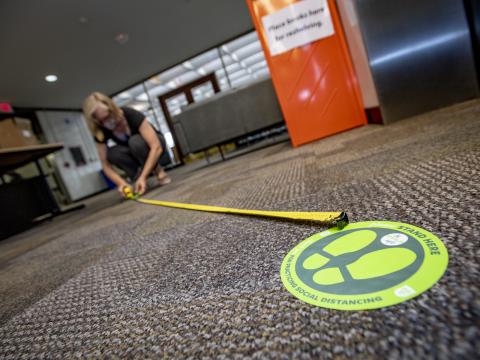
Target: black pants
131,158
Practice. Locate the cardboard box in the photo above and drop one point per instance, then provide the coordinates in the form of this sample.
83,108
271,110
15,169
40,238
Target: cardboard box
25,126
16,132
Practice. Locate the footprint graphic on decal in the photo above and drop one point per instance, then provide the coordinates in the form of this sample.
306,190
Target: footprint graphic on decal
371,265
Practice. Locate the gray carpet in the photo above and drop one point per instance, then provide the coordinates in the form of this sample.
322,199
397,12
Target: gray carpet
143,281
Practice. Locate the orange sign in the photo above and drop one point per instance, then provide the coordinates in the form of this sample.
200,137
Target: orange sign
315,82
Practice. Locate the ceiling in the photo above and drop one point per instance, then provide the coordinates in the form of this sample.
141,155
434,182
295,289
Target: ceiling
76,40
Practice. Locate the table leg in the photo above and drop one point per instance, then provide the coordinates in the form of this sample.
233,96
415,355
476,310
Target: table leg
56,208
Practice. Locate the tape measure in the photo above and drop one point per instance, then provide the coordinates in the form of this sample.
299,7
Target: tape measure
338,219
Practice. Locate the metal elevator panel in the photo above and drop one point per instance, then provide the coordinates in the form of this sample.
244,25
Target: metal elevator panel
420,54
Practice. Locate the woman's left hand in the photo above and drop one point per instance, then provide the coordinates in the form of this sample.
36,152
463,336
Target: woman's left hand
141,185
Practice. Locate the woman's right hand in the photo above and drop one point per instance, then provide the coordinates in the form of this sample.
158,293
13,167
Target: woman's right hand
120,189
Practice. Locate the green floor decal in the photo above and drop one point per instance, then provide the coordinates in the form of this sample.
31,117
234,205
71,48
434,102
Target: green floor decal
367,265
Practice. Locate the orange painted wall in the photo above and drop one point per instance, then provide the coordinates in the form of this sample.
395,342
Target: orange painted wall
315,83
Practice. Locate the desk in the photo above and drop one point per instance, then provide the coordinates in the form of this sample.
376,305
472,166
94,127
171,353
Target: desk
28,199
16,157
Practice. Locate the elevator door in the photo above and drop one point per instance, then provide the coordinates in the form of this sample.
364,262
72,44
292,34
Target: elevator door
420,54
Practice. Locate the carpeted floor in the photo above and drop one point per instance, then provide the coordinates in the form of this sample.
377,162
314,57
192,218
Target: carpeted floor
141,281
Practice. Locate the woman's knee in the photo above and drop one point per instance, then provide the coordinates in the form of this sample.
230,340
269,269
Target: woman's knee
139,146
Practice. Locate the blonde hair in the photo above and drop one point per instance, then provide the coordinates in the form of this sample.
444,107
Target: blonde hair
89,106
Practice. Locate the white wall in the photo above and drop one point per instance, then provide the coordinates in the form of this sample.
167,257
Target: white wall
70,128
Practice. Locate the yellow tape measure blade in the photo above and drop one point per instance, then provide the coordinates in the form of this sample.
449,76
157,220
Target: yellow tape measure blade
339,219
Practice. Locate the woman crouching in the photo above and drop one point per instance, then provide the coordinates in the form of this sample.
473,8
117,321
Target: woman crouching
138,146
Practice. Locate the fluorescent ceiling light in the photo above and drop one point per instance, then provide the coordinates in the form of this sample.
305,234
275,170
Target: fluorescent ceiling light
243,41
188,65
142,97
124,95
154,80
140,107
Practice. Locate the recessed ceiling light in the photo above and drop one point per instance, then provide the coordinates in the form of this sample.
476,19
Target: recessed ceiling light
187,64
142,97
124,95
51,78
155,80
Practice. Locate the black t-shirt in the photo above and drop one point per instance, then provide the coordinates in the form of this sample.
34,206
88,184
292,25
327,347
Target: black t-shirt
134,119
